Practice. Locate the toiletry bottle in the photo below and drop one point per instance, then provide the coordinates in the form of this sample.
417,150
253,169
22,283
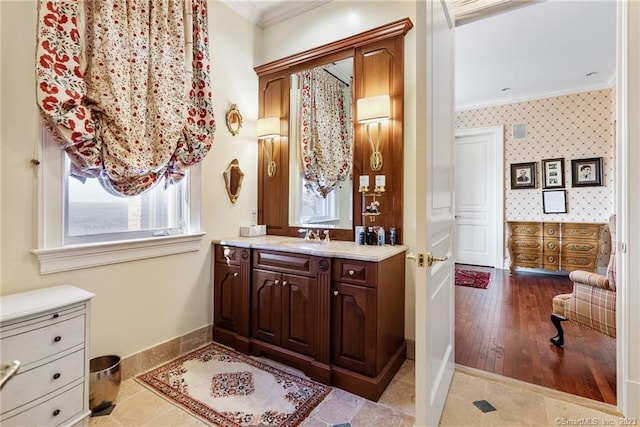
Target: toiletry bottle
371,235
381,236
392,236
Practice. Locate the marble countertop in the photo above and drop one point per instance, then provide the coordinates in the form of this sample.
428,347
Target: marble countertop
333,249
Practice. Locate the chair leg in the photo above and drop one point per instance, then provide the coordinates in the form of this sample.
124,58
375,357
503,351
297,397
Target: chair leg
558,340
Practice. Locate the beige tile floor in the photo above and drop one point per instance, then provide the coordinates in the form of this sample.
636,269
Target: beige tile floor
517,404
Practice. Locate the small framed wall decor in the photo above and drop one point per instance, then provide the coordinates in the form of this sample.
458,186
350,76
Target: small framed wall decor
586,172
554,201
553,173
523,175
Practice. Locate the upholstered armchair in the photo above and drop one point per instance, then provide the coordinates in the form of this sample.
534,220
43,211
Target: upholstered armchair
593,300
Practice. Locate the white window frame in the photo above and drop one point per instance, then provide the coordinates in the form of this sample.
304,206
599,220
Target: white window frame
55,257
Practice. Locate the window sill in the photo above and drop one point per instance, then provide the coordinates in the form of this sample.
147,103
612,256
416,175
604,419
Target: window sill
76,257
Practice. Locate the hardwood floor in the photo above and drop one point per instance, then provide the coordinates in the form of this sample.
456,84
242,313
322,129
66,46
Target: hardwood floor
505,329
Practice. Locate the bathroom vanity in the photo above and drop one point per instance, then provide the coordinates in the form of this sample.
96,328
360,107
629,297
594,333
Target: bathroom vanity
333,310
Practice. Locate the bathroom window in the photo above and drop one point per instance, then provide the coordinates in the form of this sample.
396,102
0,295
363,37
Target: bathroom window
316,209
81,225
94,215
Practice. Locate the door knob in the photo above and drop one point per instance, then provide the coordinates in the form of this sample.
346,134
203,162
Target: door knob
431,258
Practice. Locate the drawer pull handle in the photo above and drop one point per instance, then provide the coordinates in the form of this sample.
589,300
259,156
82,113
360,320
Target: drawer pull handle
56,412
57,339
235,274
56,375
351,272
335,293
56,315
284,283
277,282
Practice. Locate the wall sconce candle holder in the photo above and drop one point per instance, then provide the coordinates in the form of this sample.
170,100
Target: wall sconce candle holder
371,209
267,129
374,110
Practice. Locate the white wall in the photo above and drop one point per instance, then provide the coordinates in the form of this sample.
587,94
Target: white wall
138,304
337,20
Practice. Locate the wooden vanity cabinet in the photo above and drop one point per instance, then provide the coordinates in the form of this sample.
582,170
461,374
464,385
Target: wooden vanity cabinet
231,288
367,334
340,321
284,308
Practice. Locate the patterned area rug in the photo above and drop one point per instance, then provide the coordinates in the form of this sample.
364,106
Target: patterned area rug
472,279
226,388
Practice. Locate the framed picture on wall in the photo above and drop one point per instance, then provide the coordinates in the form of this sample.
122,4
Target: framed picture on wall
586,172
553,173
523,175
554,201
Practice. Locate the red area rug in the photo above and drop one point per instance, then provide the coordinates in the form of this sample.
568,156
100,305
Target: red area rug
473,279
227,388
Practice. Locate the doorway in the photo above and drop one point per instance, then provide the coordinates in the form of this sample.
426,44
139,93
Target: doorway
534,147
479,160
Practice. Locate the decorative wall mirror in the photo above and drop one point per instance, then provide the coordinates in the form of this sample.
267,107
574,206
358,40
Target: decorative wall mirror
368,64
233,177
234,120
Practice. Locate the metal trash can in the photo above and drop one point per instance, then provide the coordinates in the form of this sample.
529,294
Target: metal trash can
104,383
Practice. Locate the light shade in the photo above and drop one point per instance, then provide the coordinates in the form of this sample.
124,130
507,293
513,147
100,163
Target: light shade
268,127
374,109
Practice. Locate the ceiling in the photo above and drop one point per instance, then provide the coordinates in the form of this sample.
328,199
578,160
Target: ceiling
508,50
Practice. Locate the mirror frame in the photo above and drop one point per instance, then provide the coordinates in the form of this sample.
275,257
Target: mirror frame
234,120
228,179
378,69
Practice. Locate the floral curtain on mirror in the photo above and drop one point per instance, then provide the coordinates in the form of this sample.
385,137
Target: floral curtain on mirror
124,88
324,131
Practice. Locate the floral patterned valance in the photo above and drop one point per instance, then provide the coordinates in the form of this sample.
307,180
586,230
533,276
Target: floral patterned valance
124,87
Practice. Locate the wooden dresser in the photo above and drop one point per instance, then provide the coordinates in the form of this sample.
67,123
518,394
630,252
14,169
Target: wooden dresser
47,331
559,246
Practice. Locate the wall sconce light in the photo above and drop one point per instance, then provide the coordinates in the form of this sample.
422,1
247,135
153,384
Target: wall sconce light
374,109
267,129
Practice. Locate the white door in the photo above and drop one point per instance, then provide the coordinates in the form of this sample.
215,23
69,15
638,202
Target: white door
479,182
435,222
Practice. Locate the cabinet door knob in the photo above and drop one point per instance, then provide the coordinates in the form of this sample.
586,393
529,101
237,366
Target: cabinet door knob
235,274
56,375
351,272
335,293
277,282
284,283
56,315
57,339
56,412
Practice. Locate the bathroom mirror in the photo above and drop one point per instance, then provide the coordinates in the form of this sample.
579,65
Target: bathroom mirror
233,177
375,64
234,120
321,146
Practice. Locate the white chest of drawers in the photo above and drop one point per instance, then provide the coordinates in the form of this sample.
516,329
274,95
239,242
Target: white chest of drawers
47,330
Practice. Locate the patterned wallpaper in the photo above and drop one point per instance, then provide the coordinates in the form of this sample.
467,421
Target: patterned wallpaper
574,126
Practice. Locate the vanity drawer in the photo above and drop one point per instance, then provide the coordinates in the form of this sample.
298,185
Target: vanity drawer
33,344
551,229
29,385
355,272
285,262
228,254
55,411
